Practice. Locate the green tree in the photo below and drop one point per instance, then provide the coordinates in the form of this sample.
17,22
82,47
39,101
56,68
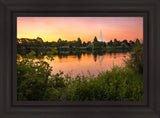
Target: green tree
59,40
84,44
98,45
95,39
110,43
53,51
135,61
79,42
32,78
32,54
115,44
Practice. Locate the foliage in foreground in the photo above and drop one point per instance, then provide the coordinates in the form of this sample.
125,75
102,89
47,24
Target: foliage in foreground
32,79
120,84
135,62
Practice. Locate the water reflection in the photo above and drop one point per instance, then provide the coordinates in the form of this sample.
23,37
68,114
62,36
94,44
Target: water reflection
100,59
82,63
95,58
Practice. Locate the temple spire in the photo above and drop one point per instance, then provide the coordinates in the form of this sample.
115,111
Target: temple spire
101,32
100,37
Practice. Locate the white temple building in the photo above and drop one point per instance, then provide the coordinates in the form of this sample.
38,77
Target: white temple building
101,38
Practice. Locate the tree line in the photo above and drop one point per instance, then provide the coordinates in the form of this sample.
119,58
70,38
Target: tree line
40,48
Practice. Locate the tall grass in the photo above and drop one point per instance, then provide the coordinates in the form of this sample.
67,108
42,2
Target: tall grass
120,84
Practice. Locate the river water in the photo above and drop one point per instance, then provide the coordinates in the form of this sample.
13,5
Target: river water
87,64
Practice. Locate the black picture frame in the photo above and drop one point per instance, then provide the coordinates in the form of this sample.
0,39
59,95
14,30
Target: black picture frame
11,108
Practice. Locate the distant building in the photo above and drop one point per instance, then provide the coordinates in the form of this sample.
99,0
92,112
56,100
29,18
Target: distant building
101,38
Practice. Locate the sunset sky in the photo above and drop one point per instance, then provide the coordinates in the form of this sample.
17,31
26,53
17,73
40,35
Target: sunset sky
70,28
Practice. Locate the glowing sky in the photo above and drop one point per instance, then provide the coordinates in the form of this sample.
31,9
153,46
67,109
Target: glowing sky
70,28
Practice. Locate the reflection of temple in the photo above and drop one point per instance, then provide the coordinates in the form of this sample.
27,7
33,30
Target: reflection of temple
100,59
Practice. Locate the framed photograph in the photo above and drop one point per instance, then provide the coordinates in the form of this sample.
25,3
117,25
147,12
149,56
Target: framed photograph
71,64
79,59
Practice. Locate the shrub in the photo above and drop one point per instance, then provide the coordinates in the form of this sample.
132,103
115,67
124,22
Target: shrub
135,61
32,79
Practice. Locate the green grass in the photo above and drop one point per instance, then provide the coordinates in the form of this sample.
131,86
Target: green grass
120,84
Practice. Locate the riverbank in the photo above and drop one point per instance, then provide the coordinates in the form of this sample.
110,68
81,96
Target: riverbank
119,84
